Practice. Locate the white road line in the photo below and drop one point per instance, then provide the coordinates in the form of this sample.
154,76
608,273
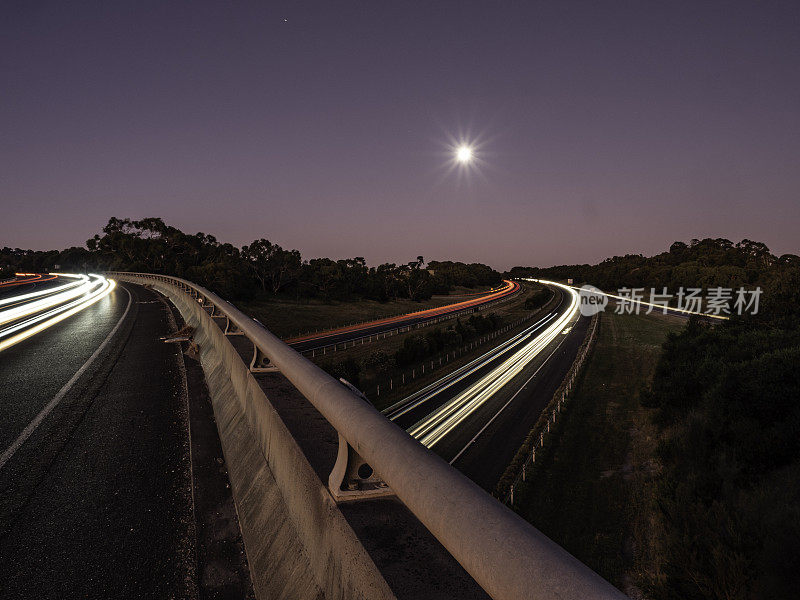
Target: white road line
497,414
26,433
441,422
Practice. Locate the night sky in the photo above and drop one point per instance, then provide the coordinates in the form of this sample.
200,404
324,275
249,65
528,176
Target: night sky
599,128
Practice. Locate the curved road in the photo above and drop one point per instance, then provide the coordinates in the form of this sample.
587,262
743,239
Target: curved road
363,330
95,484
478,416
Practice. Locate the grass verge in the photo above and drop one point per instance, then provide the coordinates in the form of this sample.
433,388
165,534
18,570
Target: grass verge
510,312
591,492
286,318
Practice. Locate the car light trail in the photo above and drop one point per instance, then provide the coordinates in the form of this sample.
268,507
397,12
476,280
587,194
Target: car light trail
642,302
420,397
509,287
30,308
31,278
45,292
47,314
442,421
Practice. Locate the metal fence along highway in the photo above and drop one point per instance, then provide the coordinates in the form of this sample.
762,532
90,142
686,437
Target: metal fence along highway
505,555
526,456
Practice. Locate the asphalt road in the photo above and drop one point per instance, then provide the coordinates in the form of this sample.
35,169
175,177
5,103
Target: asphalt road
486,440
347,334
25,285
97,501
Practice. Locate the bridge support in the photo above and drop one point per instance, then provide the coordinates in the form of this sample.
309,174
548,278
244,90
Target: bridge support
353,479
260,363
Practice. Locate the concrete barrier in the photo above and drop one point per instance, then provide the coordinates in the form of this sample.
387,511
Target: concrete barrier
298,543
506,556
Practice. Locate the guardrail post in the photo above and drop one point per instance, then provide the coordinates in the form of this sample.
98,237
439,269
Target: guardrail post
231,328
260,363
353,479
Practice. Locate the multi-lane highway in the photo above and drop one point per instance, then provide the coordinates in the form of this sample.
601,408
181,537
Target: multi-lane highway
370,328
95,480
27,313
477,416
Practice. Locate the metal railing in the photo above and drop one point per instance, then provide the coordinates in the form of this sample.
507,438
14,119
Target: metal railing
403,377
369,337
506,556
539,434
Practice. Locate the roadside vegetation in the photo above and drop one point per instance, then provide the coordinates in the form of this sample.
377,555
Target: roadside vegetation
676,471
701,263
591,490
259,270
374,363
287,317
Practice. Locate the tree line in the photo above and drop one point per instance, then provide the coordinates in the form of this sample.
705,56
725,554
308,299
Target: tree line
726,400
700,263
260,268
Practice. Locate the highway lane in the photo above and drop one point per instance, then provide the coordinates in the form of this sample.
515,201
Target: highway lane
96,501
415,407
109,495
28,283
477,419
363,330
483,448
25,281
33,371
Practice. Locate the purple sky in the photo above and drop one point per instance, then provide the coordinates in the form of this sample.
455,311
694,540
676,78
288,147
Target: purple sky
602,127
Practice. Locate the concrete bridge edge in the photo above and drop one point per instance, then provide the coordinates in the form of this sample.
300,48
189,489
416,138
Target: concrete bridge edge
291,526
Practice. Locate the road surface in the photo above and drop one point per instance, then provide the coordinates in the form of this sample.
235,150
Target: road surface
477,417
364,330
96,484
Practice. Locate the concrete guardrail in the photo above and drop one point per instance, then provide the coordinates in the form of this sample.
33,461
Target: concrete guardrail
506,556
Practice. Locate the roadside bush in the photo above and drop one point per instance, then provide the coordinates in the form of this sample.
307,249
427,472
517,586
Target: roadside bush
419,347
538,299
729,495
377,362
348,369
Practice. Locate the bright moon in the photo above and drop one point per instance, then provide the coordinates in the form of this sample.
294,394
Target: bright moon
464,154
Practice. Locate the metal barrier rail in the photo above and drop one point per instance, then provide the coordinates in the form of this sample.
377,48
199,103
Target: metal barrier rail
506,556
365,321
537,437
356,341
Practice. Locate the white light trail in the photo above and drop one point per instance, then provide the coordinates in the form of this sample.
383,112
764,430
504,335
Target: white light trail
45,292
99,288
442,421
30,308
642,302
420,397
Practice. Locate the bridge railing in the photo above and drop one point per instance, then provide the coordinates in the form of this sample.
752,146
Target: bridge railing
506,556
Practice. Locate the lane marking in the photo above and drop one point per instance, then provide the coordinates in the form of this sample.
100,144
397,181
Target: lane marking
433,428
26,433
497,414
437,387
